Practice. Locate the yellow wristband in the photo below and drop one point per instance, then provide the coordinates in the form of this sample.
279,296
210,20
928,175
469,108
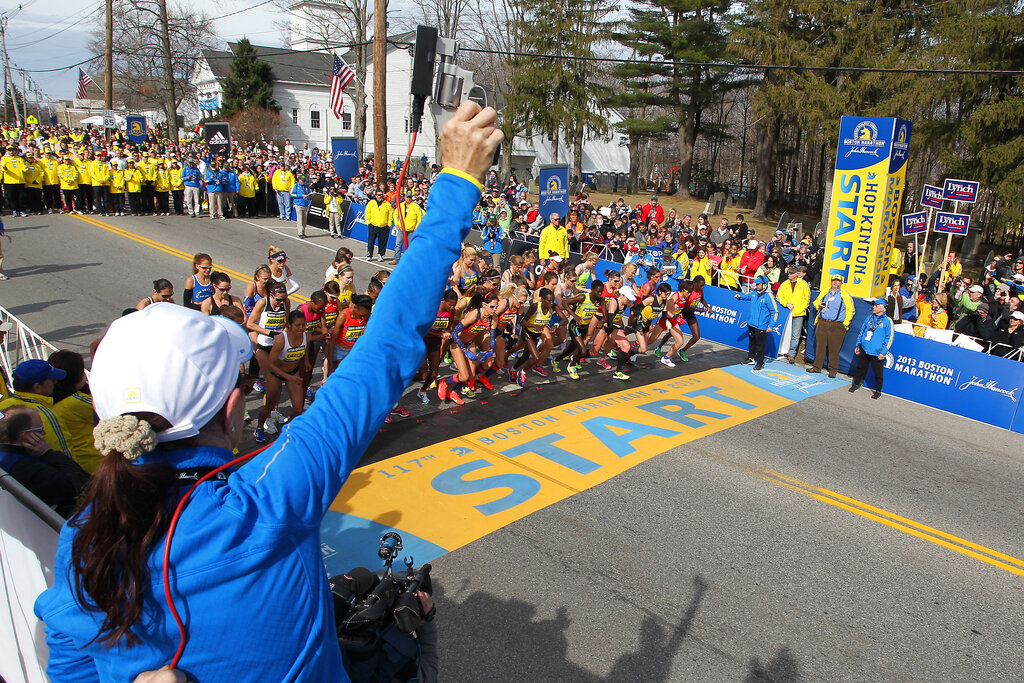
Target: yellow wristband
464,176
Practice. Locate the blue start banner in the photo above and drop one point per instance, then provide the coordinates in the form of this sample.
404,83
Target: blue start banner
135,127
345,154
554,190
726,321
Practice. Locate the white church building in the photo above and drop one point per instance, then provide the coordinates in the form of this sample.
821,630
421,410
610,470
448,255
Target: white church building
302,74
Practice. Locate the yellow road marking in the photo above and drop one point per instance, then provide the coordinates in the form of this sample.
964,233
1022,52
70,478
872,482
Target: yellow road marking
153,244
894,521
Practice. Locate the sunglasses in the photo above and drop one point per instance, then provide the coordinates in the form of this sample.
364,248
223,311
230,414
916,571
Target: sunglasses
205,267
224,289
32,430
281,259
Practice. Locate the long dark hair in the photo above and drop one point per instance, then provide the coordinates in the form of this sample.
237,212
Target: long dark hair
122,515
74,367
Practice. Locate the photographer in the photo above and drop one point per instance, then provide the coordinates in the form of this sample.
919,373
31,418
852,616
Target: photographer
246,565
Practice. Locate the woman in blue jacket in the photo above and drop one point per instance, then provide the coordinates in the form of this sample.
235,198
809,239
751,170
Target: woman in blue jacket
245,567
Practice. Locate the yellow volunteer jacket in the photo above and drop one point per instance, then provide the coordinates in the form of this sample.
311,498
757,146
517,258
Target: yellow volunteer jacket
175,177
378,214
847,301
703,267
283,180
52,429
413,215
554,239
116,181
133,180
729,273
246,185
14,169
99,171
76,417
83,172
798,294
34,173
896,262
68,174
50,176
161,182
149,172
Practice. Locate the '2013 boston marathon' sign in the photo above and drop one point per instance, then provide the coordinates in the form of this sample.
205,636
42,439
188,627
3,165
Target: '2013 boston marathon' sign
870,175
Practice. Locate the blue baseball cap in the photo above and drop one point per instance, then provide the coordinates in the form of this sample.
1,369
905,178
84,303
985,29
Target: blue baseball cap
879,302
32,371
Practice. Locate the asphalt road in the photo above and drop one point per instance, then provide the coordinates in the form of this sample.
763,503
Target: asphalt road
748,555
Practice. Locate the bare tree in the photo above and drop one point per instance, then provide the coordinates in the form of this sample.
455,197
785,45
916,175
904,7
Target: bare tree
346,24
155,50
452,18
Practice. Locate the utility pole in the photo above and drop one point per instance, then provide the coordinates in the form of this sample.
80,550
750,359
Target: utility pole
24,96
171,105
8,80
380,69
108,66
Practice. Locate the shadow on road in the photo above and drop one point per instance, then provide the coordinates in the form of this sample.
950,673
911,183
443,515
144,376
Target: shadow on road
89,331
487,638
36,306
49,268
782,669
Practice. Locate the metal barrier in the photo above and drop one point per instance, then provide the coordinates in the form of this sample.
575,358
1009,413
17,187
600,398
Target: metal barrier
19,344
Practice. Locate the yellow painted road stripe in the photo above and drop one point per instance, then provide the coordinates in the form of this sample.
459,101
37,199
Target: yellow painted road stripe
894,521
153,244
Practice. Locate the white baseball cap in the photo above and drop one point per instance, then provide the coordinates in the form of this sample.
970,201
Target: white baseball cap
169,360
977,289
752,244
628,292
1017,315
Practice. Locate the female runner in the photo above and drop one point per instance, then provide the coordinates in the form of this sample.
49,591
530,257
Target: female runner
255,290
684,309
614,327
438,337
316,334
515,268
529,268
613,282
464,273
585,271
163,290
652,309
279,270
512,300
477,324
346,287
269,316
332,290
583,316
350,326
221,295
286,365
536,335
198,288
342,257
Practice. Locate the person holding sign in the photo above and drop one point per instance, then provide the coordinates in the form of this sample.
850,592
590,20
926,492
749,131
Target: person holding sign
873,343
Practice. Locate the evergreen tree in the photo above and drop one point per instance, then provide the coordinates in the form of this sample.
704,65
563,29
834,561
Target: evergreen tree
250,84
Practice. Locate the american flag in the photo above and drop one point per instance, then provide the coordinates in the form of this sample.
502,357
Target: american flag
83,81
341,76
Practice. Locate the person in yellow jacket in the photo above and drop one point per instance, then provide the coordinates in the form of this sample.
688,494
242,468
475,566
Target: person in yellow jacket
133,185
897,264
32,386
84,181
148,166
74,410
13,167
682,262
34,174
174,175
117,190
411,212
835,311
283,181
553,238
51,181
246,201
67,171
795,294
378,224
702,266
729,271
161,186
99,172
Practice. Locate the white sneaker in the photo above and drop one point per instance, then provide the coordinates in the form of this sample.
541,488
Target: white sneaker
380,258
278,417
667,362
422,396
269,427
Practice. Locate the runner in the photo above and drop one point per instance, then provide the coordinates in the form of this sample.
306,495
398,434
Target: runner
350,326
536,335
332,291
478,323
580,327
268,317
286,364
198,287
464,273
342,258
255,290
163,290
682,308
512,299
615,324
437,340
221,295
279,271
316,334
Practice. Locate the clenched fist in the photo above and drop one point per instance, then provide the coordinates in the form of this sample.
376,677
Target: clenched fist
469,139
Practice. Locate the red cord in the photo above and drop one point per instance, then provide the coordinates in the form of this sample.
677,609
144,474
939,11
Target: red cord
167,549
398,195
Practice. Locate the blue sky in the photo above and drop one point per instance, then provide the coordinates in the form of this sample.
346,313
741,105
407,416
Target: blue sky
31,47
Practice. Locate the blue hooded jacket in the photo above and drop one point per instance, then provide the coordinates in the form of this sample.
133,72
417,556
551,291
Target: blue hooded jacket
879,328
213,181
249,579
764,309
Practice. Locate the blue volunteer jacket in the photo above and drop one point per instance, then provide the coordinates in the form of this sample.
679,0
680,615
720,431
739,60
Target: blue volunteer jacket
249,579
191,176
764,309
880,327
213,181
231,181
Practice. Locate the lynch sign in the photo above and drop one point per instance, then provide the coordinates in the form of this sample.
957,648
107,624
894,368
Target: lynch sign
952,223
960,190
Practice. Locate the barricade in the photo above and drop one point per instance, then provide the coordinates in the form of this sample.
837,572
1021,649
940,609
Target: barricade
20,344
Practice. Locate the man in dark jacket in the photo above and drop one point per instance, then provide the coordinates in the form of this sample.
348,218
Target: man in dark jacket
52,476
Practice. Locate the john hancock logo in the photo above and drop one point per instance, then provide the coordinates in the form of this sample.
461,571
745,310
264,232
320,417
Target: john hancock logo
865,140
990,385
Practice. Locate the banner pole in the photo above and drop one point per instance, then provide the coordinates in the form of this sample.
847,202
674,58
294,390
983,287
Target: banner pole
949,244
924,249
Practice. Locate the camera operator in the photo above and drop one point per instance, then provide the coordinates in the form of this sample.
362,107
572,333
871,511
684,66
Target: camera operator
246,569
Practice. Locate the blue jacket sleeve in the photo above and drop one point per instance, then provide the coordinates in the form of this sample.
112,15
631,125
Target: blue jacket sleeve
295,481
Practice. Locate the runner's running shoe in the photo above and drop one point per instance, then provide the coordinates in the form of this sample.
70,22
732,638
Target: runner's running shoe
556,366
454,397
618,374
682,354
604,364
521,378
667,362
442,390
399,411
270,427
422,396
573,373
485,383
540,371
259,436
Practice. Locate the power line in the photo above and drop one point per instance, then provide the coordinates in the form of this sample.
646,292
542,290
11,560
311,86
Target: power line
47,27
239,11
57,32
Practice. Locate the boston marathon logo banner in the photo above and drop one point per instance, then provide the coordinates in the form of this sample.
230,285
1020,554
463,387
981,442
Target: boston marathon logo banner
870,175
554,191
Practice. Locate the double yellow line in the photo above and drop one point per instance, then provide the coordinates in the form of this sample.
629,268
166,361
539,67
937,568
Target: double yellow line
153,244
907,526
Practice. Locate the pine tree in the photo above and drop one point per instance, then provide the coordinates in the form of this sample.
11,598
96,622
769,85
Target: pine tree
250,84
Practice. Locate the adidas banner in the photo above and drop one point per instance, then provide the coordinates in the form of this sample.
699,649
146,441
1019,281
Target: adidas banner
218,137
